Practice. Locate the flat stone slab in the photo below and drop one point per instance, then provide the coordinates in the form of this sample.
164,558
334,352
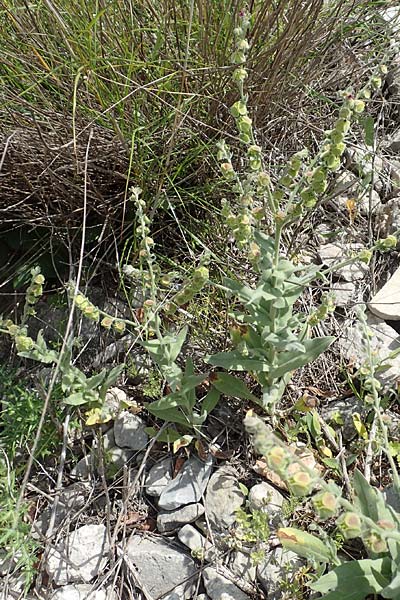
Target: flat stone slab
171,520
129,431
223,499
82,591
158,477
188,486
161,569
279,566
220,588
384,340
333,254
386,303
81,556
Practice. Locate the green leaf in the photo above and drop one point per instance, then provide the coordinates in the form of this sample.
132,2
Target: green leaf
168,436
76,399
233,387
234,361
290,361
210,402
96,380
369,499
369,133
172,415
305,545
393,589
354,580
175,346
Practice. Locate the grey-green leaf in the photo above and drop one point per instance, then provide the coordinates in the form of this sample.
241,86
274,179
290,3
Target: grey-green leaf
354,580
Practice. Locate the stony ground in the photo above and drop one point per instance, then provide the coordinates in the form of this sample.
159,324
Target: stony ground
132,520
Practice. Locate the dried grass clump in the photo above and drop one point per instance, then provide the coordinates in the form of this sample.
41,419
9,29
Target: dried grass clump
43,175
151,80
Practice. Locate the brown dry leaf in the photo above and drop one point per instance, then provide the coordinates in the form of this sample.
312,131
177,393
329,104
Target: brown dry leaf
221,454
133,517
317,392
180,461
202,451
351,205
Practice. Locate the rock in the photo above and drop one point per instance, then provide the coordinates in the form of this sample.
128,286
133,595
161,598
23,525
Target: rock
196,542
386,303
332,254
345,293
384,340
392,421
223,498
348,187
339,413
86,555
243,566
188,486
169,521
161,568
220,588
86,467
279,567
82,591
71,499
392,498
394,142
129,431
114,402
108,439
389,218
115,459
263,496
158,477
362,160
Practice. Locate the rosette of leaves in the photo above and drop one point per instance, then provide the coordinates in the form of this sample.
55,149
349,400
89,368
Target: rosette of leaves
182,405
269,340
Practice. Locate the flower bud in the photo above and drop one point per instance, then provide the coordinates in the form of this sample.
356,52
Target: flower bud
375,543
325,504
107,322
300,483
24,343
332,162
336,137
345,112
350,525
119,326
239,109
376,82
238,57
277,458
387,243
227,170
244,125
342,125
365,256
239,74
39,279
263,179
338,149
359,106
243,45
